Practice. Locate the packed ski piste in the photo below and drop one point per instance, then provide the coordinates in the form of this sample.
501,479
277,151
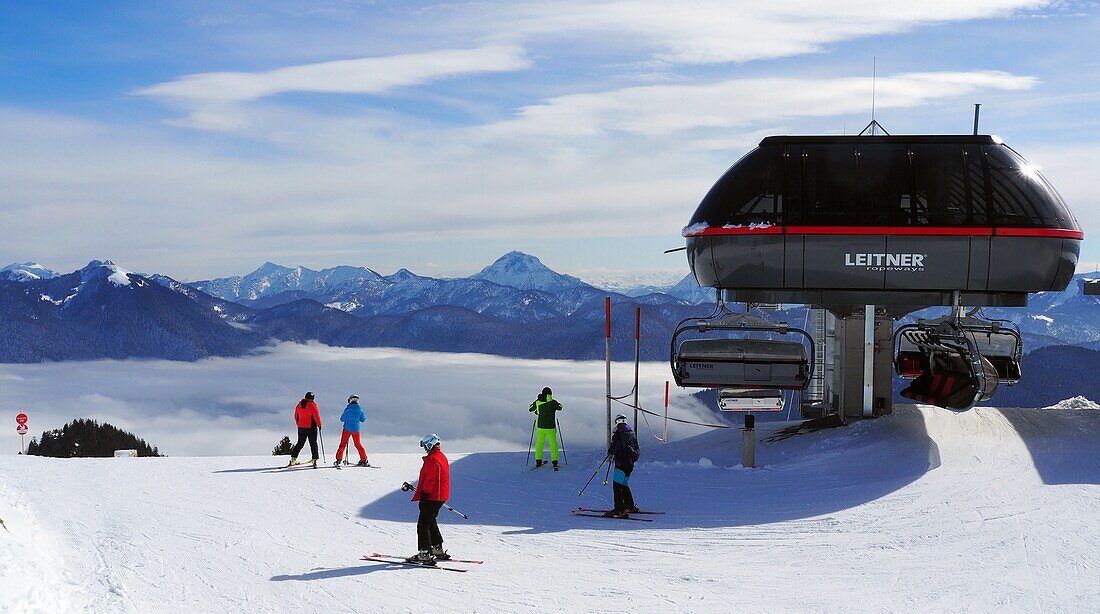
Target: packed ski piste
433,488
992,510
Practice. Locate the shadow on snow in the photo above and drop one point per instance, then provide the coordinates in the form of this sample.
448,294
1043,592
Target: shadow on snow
1063,443
698,482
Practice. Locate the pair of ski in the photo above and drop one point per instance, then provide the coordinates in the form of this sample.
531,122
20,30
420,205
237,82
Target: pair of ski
597,513
400,560
304,465
360,466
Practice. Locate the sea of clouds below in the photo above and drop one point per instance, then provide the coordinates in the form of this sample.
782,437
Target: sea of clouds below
243,406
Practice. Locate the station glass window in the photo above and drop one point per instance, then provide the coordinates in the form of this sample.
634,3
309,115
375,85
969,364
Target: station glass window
884,187
829,183
749,193
1019,196
939,186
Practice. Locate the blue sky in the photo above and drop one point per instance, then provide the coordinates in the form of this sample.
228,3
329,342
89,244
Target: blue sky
201,139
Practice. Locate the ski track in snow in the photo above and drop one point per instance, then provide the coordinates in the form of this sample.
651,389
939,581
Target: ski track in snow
987,511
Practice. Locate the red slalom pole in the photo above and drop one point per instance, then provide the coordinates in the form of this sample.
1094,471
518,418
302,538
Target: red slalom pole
637,359
607,350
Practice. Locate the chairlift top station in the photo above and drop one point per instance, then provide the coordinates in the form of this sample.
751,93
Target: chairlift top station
878,226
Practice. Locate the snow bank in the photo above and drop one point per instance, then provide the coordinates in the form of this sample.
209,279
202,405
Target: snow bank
1075,403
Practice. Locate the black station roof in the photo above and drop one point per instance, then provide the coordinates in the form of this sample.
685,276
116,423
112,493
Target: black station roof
941,181
975,139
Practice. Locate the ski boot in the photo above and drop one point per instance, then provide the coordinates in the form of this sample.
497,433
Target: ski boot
538,463
313,463
439,554
293,462
555,465
363,463
337,464
424,557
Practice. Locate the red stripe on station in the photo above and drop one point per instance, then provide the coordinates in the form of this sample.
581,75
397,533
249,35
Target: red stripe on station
1041,232
891,230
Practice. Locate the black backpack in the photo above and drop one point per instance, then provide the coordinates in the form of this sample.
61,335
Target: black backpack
633,453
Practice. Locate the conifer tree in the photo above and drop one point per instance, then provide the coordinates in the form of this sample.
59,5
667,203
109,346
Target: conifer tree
88,438
284,447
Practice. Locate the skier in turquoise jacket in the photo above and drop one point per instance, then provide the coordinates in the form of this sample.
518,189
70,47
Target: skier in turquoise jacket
352,418
546,410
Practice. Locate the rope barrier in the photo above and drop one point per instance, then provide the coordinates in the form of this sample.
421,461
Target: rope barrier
650,427
646,411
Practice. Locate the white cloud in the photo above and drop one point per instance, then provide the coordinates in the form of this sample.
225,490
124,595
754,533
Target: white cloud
373,75
242,406
740,103
619,280
341,185
714,31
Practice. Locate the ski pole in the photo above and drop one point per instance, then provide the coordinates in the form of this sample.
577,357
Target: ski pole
608,474
322,438
464,516
600,466
564,456
405,486
531,444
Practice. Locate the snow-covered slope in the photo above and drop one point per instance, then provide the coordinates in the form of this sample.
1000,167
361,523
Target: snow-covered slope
925,510
271,279
26,271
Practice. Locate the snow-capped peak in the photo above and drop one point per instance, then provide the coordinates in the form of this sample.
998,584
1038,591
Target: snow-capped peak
114,274
402,275
26,271
270,268
526,272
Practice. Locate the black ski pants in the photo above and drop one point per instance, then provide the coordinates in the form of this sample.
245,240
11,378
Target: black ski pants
303,434
427,529
624,499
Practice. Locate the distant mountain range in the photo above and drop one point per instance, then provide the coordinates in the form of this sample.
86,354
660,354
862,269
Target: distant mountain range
514,307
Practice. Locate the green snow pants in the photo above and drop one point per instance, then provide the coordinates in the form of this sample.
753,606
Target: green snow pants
542,435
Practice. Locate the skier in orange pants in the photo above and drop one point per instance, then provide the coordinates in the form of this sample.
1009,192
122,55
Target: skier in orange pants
352,417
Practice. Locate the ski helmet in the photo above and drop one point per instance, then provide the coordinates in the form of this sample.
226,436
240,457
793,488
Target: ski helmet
309,396
620,419
353,399
429,442
547,391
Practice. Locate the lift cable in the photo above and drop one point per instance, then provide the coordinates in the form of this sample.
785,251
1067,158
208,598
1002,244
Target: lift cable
655,414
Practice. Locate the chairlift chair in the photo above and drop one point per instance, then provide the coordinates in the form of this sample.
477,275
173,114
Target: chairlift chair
751,372
956,362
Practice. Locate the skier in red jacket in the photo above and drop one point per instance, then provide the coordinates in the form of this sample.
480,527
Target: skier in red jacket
308,419
432,490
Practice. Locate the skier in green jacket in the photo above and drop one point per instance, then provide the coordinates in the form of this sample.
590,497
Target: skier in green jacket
546,410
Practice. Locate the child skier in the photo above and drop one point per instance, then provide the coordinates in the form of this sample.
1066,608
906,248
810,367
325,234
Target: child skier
546,410
432,490
624,452
352,417
308,419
